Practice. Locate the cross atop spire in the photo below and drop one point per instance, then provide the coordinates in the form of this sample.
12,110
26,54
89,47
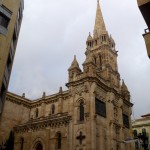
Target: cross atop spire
99,21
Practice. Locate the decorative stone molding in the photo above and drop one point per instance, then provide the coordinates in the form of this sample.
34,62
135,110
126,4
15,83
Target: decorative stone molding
100,94
87,114
54,121
78,101
36,103
115,123
80,89
19,102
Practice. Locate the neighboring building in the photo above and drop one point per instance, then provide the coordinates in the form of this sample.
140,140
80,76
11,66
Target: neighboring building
144,6
142,125
93,114
10,22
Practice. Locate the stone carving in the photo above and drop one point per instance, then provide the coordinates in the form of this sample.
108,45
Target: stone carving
80,89
100,94
36,124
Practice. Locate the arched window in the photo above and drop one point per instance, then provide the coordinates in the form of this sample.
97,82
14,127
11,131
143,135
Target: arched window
115,113
144,131
104,38
117,146
81,111
135,133
59,141
95,60
53,109
36,112
100,61
39,146
95,42
21,143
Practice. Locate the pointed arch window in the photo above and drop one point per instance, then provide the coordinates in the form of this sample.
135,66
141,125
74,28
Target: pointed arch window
53,109
21,143
36,113
95,42
59,141
39,146
100,61
81,111
95,60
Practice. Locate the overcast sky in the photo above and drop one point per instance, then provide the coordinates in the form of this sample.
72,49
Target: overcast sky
54,30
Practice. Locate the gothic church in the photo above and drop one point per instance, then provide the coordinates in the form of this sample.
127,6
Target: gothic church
93,114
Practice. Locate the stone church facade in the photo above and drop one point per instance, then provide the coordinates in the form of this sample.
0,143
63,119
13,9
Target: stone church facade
93,114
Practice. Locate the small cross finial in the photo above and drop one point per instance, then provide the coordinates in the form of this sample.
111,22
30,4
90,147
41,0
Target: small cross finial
23,95
97,1
60,90
44,94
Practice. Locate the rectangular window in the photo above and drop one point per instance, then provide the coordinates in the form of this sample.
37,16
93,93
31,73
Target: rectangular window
100,107
4,20
126,121
5,16
14,40
2,96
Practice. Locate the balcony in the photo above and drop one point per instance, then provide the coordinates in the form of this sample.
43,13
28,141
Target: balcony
146,36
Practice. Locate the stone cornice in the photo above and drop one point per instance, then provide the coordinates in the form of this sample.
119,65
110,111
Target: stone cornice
18,100
141,125
100,82
128,103
35,103
41,123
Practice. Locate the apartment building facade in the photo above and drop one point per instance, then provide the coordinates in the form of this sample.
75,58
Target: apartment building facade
11,13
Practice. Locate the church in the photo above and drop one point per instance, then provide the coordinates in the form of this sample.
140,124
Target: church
94,113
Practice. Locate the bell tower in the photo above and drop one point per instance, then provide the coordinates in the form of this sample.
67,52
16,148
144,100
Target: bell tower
101,50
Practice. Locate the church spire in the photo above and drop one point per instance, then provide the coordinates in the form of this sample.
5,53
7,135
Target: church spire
74,64
99,21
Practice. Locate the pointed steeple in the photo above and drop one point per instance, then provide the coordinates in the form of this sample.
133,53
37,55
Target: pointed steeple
99,22
74,69
124,87
74,64
125,91
89,37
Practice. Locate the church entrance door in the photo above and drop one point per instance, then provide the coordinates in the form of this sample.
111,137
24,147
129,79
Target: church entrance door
39,146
